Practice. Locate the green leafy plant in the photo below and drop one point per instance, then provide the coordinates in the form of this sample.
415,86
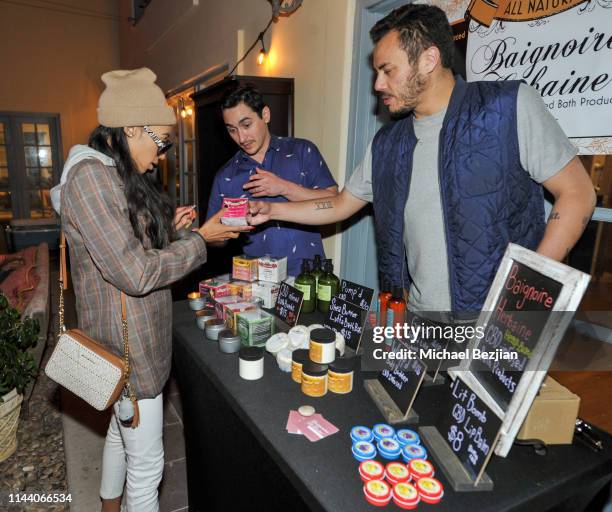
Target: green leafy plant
17,366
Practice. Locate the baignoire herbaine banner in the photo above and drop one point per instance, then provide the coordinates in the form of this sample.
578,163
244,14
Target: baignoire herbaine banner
563,48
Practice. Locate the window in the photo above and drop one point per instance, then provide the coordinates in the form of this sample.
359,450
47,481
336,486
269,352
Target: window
29,164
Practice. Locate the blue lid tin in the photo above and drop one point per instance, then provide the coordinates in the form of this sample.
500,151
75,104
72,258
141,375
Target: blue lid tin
382,430
360,433
389,448
406,436
363,450
413,451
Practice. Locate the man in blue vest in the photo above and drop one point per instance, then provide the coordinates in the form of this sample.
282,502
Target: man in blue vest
457,176
278,168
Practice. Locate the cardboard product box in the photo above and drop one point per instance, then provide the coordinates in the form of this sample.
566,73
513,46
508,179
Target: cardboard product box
268,292
244,268
241,288
255,327
215,287
273,270
222,302
552,415
231,312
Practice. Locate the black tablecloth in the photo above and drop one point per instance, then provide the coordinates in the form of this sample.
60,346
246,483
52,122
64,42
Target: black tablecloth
227,419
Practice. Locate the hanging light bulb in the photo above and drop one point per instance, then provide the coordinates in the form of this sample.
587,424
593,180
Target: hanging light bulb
189,111
182,108
261,58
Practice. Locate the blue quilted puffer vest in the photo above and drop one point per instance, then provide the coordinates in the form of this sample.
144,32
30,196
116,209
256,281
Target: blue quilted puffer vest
488,199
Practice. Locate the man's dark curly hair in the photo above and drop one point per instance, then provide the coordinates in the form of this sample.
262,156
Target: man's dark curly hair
419,27
247,93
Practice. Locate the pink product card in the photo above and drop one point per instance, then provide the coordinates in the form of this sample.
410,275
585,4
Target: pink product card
315,427
294,417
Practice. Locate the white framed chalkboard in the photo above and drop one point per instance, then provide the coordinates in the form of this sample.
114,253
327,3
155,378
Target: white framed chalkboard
528,309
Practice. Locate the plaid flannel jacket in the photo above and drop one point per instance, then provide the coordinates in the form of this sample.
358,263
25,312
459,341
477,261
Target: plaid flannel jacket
106,257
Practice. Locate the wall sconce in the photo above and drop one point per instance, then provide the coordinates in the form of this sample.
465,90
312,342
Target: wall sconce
184,111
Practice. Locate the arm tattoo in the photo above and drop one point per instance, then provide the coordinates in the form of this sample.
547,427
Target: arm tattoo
323,205
554,216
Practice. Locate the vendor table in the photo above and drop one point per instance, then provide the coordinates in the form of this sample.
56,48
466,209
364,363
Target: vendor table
239,452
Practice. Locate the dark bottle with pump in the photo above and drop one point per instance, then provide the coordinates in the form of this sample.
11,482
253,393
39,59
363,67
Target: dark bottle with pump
329,284
306,283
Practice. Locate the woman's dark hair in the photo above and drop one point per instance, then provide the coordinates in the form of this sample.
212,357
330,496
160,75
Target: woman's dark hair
420,26
151,212
245,93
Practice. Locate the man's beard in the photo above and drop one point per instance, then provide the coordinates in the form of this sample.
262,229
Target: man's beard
414,87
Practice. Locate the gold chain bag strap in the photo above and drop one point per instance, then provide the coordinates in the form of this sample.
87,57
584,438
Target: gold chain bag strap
84,366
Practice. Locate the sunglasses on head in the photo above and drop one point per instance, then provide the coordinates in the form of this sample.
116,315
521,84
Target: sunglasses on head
163,145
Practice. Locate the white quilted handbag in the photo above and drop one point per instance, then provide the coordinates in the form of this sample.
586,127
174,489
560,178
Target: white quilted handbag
84,366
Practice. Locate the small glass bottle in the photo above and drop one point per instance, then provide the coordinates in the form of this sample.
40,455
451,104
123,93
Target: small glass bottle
305,282
396,308
328,286
383,299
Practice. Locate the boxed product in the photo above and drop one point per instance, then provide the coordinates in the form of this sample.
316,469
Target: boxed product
222,302
273,270
552,415
235,211
255,327
241,288
268,292
215,287
231,312
244,268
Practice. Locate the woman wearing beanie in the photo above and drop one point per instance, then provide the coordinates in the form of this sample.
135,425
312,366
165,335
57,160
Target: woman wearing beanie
120,230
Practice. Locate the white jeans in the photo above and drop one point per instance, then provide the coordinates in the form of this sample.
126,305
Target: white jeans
136,453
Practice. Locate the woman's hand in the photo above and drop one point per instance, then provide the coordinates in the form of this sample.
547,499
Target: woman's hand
213,231
184,216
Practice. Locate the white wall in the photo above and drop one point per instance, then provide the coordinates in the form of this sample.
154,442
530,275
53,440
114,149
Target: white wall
179,40
51,62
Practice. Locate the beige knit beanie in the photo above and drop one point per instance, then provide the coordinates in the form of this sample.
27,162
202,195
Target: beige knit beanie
132,98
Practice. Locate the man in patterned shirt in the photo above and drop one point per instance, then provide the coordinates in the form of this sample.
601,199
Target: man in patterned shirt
277,168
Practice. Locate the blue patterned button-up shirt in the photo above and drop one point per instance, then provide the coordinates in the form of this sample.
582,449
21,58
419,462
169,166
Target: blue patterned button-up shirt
295,160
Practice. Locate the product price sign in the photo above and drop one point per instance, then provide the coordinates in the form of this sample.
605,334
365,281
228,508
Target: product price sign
347,319
356,294
288,304
403,374
470,428
520,313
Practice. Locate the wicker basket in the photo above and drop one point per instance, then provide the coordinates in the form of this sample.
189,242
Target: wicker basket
9,418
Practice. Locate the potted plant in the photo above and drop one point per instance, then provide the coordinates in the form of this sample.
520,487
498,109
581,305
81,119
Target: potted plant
17,369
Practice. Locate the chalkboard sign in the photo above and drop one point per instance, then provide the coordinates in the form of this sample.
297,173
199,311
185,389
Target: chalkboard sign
469,427
523,306
528,309
356,294
288,304
347,319
402,378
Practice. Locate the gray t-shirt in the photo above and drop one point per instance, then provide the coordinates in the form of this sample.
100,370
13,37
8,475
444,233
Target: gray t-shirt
544,151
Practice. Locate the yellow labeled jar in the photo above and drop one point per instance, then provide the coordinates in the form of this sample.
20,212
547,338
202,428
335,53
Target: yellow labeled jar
314,379
340,376
322,346
298,358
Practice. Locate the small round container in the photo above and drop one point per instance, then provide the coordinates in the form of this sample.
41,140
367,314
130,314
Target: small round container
229,343
377,493
196,301
251,363
363,451
360,433
406,436
314,379
322,346
389,448
420,468
213,328
382,430
298,337
396,472
277,342
203,316
340,376
406,496
298,358
413,451
371,470
283,358
430,490
340,343
314,326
